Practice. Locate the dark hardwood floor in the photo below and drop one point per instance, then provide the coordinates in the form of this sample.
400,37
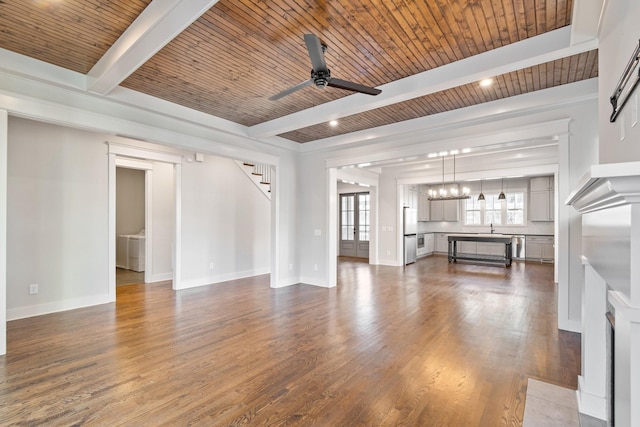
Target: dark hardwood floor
432,344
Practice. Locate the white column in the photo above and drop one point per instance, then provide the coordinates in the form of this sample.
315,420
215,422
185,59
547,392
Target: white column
111,228
332,227
177,239
627,357
4,140
592,384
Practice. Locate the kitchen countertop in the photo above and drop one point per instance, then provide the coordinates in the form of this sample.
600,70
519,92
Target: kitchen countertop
478,237
475,234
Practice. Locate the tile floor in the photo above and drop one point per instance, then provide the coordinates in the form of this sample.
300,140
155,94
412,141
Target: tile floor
549,405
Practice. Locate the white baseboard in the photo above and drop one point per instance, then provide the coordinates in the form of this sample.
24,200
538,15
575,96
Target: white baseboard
570,325
56,306
314,282
210,280
160,277
590,404
389,262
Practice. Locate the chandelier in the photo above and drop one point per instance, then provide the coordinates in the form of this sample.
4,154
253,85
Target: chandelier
453,191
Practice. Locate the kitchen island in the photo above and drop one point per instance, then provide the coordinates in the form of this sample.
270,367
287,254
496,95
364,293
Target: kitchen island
505,239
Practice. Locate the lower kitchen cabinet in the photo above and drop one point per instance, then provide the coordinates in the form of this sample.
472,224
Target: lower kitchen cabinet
487,248
467,247
429,245
539,248
442,243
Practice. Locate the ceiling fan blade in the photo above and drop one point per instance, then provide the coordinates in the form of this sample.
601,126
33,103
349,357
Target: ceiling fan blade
291,90
314,47
343,84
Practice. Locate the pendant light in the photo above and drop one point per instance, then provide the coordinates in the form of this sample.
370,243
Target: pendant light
452,194
502,196
481,196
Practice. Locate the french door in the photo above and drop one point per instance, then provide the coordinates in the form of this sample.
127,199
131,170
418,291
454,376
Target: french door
354,224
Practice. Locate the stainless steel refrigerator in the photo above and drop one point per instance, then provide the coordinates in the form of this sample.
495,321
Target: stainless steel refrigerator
409,230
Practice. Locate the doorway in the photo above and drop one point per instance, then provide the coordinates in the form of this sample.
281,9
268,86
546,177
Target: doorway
130,226
355,222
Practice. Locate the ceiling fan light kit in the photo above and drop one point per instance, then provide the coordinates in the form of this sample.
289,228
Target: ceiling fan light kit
320,73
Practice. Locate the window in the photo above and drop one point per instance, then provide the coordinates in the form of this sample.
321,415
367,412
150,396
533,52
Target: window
515,208
494,211
473,212
348,220
364,209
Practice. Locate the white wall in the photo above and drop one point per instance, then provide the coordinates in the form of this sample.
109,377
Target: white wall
225,221
312,197
57,218
129,201
163,219
4,117
618,39
582,153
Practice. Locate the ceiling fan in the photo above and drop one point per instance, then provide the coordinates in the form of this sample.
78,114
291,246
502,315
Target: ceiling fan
320,74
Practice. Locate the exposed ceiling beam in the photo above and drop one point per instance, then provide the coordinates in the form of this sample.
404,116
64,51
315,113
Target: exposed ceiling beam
586,19
535,50
157,25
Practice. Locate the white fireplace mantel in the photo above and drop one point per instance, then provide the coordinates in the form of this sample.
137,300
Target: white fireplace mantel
608,196
605,186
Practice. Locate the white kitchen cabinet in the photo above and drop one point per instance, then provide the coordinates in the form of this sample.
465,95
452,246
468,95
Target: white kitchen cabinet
539,248
541,199
542,183
411,196
442,243
429,243
488,248
466,247
445,210
424,205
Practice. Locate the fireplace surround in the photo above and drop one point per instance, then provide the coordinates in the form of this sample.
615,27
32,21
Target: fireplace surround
608,197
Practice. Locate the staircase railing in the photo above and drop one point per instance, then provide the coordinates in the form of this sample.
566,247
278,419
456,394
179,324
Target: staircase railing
259,173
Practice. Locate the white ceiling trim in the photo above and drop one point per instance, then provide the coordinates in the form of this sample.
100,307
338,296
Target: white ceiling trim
37,101
157,25
530,170
470,140
416,129
535,50
33,69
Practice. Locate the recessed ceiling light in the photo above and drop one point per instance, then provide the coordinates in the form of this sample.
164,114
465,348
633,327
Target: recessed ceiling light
466,150
452,152
486,82
333,123
442,153
432,155
364,165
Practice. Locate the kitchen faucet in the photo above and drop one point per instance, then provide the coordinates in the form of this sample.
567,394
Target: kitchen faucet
492,230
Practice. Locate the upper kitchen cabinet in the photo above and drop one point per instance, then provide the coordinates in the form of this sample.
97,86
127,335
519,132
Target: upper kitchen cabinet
541,199
424,205
411,196
445,210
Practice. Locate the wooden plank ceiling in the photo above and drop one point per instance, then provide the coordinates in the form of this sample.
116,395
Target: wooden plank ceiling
73,34
240,52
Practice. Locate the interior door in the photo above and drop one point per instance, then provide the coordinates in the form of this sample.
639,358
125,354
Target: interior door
354,224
